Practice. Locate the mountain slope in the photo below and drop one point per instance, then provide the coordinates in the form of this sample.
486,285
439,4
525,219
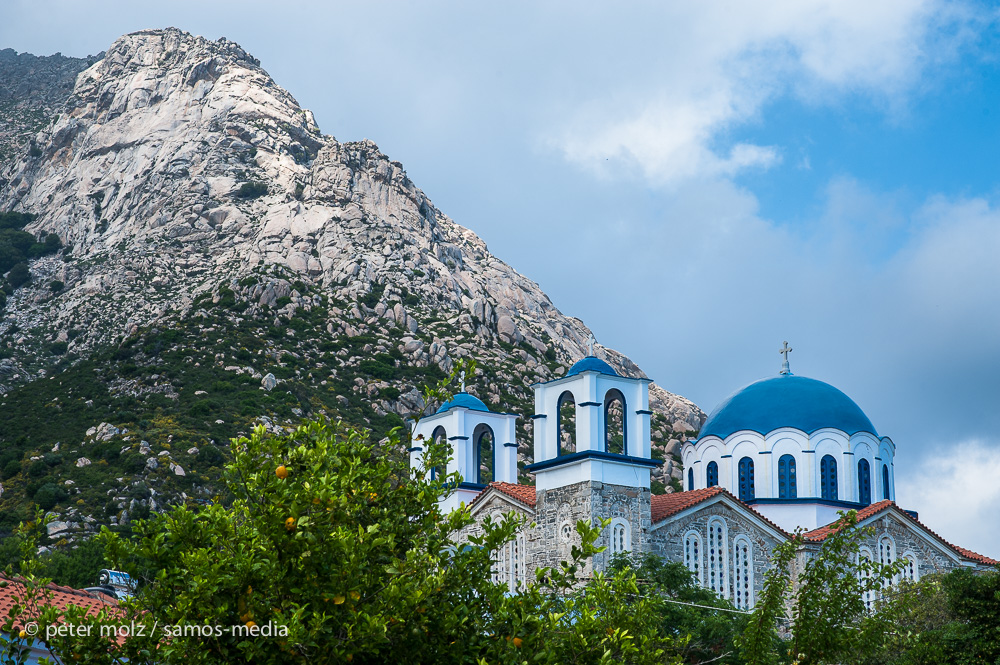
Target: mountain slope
215,236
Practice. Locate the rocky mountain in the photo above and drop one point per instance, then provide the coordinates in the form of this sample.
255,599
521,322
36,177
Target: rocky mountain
225,263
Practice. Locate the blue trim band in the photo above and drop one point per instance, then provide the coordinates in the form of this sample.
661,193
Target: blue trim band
644,412
764,452
471,486
824,502
809,451
847,452
589,404
593,454
456,438
510,445
538,415
414,449
726,457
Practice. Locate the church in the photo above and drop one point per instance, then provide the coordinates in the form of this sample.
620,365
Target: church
783,453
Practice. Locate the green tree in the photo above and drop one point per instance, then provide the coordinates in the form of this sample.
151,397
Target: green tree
830,603
710,623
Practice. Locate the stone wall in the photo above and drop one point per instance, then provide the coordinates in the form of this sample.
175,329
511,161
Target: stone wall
667,541
558,510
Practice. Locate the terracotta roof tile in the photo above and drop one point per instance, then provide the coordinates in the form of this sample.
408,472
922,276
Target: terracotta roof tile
523,493
820,534
57,596
667,505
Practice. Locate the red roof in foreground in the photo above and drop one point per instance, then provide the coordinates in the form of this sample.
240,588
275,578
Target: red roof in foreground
820,534
54,596
523,493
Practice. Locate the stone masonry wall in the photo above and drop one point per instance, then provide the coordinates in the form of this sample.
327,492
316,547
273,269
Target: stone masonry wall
668,541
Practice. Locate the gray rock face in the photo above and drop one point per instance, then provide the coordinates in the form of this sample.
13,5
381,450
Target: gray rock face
179,164
269,382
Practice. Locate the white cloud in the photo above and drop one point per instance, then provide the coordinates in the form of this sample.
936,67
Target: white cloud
957,494
739,56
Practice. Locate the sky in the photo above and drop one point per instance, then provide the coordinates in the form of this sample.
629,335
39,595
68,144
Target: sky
698,182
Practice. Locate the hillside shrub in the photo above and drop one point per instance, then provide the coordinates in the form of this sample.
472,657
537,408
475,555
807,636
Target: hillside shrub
48,495
19,275
251,190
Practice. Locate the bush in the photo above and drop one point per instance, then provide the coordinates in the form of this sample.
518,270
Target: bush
11,469
19,275
56,286
58,348
48,495
251,190
209,456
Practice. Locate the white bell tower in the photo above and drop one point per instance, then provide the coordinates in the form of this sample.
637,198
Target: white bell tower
611,429
592,459
482,445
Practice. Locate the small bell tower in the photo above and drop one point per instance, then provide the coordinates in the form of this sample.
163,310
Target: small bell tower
482,446
592,457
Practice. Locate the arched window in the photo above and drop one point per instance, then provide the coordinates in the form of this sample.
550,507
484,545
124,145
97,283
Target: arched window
716,568
690,479
746,479
566,434
787,488
621,537
911,571
886,555
439,437
864,483
828,477
712,475
692,555
615,440
509,565
885,481
485,445
864,575
742,573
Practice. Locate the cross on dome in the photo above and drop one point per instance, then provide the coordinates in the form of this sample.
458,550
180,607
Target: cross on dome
784,351
590,344
462,379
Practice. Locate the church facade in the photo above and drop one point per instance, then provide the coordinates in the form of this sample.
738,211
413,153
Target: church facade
781,454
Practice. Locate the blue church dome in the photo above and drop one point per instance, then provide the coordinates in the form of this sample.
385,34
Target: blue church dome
591,364
786,401
464,400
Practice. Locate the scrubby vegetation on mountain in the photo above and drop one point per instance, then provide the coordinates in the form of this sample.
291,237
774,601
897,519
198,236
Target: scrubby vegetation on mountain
225,264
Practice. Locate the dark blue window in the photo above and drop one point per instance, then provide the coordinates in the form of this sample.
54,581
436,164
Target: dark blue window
690,479
712,475
864,483
746,479
828,477
885,481
787,488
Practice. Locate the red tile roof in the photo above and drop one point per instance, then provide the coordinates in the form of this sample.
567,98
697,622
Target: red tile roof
667,505
523,493
820,534
56,596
